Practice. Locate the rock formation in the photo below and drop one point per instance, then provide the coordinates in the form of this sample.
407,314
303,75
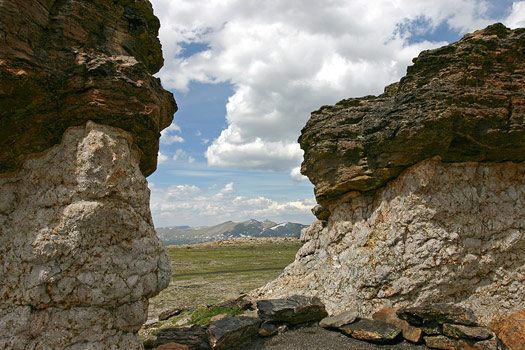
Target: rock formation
425,186
80,117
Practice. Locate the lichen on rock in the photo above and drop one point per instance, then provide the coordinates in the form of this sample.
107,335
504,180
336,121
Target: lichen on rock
425,186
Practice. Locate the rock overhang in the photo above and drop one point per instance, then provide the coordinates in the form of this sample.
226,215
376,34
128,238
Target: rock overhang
462,102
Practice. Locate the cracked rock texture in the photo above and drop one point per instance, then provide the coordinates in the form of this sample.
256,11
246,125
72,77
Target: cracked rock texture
80,119
425,185
80,256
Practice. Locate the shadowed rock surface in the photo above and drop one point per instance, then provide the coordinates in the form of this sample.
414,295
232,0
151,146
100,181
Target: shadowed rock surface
424,185
80,118
63,63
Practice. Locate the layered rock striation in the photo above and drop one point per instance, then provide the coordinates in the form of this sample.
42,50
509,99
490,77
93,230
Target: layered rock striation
424,185
80,118
63,63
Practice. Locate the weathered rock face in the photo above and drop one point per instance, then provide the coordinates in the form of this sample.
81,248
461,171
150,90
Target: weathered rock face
79,252
463,102
425,185
63,63
80,116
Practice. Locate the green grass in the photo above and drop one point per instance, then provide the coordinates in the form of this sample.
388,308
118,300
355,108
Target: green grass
206,289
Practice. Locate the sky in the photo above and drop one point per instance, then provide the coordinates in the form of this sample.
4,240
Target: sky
247,74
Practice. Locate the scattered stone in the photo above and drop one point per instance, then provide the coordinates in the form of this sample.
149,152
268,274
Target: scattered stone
242,302
511,330
320,212
371,330
232,332
268,329
193,336
250,313
295,309
218,317
282,329
409,332
437,314
183,321
441,342
466,332
172,346
169,313
337,321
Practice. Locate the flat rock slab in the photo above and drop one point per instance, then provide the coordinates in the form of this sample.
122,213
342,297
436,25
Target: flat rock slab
295,309
437,314
466,332
193,337
337,321
441,342
371,330
232,332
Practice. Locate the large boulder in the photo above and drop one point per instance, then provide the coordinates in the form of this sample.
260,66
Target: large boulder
80,116
424,185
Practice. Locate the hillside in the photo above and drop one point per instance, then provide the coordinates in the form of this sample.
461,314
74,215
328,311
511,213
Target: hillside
177,235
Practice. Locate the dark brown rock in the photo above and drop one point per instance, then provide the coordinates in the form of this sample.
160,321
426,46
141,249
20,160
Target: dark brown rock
466,332
169,313
437,314
172,346
511,330
463,102
441,342
268,329
63,63
295,309
193,337
371,330
320,212
409,332
232,332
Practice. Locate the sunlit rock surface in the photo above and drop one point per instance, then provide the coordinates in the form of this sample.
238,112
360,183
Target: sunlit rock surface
425,185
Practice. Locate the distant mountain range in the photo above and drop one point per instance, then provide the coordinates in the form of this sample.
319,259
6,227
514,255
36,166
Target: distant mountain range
176,235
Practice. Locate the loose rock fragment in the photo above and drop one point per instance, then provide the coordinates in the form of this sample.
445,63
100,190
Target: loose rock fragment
372,331
295,309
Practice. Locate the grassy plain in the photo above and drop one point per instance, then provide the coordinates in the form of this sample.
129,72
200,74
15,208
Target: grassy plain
213,272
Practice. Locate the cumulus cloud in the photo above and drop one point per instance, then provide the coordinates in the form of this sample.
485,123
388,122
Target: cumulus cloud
516,18
168,136
161,158
191,205
287,58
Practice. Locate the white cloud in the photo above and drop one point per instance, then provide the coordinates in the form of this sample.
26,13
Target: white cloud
516,18
296,175
168,137
287,58
161,158
191,159
191,205
179,154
